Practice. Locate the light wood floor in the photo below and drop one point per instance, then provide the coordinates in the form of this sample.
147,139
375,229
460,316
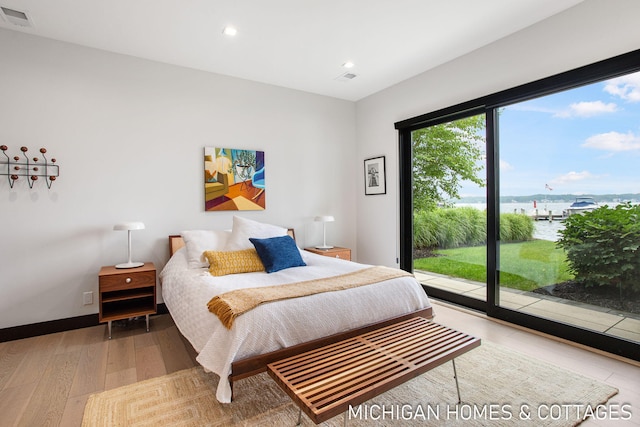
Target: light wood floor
45,381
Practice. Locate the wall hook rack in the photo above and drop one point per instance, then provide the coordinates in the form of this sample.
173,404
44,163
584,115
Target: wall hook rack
31,168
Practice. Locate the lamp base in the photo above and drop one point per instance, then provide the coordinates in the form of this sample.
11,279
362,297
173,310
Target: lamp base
130,265
324,247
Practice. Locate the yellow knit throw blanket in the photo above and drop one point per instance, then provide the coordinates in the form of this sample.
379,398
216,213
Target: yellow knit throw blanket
232,304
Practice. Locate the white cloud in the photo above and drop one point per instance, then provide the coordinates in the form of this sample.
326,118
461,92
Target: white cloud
587,109
572,177
613,142
505,166
626,87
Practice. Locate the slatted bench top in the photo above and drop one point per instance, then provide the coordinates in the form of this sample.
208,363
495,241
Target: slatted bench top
324,382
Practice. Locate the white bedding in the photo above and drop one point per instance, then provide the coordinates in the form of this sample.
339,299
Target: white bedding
275,325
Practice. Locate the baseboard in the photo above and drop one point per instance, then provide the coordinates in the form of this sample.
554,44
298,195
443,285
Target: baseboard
53,326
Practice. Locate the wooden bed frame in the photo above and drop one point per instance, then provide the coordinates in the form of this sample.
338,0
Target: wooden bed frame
256,364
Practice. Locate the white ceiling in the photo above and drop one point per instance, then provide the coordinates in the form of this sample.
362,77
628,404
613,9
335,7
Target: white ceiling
300,44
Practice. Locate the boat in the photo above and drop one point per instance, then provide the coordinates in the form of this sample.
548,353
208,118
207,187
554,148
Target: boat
581,205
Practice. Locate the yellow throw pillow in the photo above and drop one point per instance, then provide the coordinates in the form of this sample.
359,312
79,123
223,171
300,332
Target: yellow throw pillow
222,263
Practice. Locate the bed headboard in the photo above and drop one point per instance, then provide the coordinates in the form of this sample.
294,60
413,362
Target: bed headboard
176,241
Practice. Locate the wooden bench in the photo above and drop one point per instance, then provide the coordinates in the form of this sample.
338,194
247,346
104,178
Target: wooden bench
328,380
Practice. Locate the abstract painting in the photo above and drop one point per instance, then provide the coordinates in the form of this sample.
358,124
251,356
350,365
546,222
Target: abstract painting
234,179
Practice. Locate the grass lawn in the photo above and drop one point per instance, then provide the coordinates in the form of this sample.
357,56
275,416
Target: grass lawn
525,266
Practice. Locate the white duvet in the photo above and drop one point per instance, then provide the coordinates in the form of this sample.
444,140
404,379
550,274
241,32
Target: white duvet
275,325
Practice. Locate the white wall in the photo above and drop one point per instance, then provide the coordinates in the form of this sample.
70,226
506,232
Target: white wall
128,135
591,31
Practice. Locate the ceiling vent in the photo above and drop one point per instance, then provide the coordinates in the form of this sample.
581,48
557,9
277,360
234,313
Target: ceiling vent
15,17
346,77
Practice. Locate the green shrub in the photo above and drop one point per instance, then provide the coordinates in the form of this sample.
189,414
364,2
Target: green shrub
515,227
465,226
602,246
425,229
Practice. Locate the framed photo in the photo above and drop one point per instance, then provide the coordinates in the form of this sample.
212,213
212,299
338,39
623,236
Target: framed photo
375,178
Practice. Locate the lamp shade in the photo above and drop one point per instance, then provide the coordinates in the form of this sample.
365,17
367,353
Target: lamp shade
129,226
324,218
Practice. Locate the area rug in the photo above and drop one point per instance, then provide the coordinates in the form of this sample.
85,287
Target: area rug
498,387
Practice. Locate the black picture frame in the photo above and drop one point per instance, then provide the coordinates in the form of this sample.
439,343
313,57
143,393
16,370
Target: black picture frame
375,176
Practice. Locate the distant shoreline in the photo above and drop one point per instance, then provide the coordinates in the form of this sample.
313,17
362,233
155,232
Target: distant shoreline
557,198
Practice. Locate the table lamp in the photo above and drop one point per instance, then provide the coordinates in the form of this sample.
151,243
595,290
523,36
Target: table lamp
324,219
129,226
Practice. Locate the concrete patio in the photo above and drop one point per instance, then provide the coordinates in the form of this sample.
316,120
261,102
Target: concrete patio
600,319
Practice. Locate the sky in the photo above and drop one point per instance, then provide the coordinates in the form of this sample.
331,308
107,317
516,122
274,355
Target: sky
581,141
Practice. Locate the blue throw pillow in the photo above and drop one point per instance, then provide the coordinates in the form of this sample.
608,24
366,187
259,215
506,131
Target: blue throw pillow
278,253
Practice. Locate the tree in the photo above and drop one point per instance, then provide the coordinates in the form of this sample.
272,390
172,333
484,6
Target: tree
444,156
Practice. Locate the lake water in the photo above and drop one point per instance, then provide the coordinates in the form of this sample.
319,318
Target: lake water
544,230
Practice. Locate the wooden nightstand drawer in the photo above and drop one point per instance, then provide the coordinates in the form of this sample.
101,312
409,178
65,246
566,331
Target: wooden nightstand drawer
127,280
335,252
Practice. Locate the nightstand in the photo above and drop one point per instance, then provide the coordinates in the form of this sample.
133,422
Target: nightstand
335,252
125,293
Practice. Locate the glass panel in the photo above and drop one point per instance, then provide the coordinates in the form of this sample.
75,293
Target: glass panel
569,173
449,218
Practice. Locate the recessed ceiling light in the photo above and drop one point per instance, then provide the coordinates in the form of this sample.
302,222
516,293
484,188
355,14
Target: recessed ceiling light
230,31
348,64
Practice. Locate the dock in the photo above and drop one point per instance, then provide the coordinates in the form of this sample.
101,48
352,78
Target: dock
544,215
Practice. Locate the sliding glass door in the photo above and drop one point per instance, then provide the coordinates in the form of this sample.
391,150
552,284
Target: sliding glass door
569,164
525,204
449,207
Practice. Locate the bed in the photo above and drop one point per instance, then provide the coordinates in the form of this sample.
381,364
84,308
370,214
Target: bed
275,329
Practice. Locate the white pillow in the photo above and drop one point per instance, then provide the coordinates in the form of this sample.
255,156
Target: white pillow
244,228
198,241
